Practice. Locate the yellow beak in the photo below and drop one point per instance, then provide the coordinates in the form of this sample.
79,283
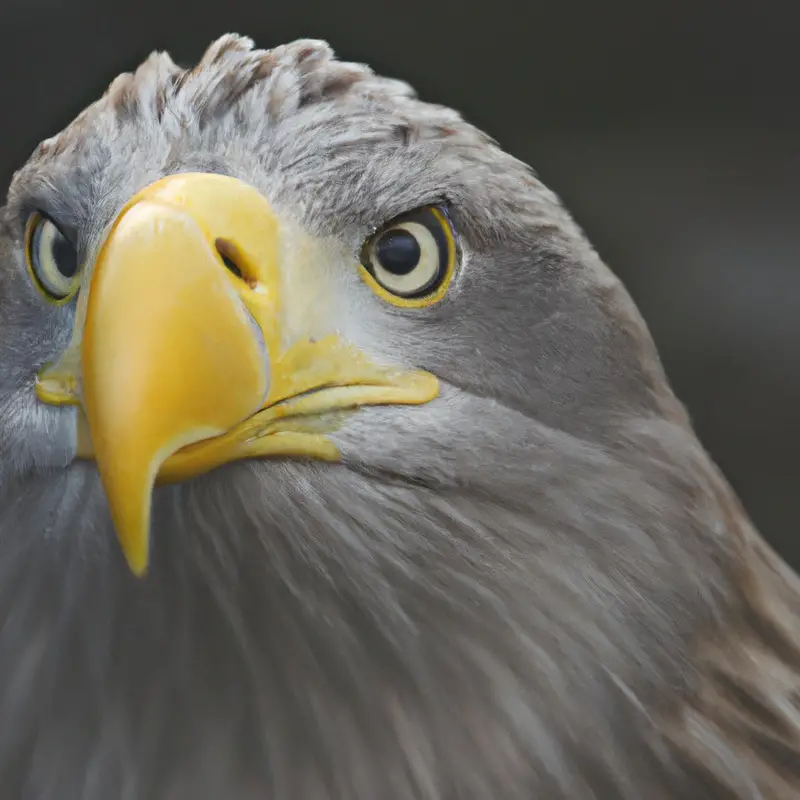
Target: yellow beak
180,358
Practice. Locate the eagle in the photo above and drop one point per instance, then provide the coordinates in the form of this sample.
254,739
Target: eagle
336,465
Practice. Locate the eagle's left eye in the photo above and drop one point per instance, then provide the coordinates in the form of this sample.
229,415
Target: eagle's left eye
409,262
52,259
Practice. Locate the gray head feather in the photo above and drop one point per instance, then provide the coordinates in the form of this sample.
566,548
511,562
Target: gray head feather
535,586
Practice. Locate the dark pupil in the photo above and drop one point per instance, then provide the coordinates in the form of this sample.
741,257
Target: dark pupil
65,256
398,252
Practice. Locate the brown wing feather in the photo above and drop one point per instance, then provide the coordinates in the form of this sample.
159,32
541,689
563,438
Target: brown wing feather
747,701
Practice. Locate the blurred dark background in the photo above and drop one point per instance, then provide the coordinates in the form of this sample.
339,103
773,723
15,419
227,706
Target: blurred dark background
671,130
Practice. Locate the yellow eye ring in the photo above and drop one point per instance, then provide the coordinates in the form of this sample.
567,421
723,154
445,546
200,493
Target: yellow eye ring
51,259
410,261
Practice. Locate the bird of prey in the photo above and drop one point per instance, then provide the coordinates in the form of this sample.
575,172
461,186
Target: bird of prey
335,465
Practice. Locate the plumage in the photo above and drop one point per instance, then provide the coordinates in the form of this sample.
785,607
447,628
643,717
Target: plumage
536,585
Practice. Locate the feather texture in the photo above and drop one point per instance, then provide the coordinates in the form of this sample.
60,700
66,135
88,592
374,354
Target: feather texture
538,585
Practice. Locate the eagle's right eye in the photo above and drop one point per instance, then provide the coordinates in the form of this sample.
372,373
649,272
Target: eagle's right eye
52,259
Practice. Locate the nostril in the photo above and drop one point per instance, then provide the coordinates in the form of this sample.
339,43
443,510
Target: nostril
228,254
231,266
